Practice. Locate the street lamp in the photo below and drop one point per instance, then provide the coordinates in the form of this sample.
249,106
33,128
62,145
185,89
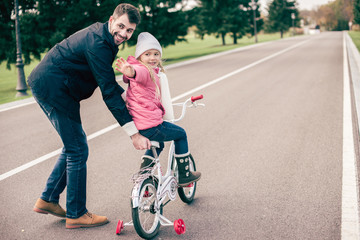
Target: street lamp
293,20
292,10
254,6
21,84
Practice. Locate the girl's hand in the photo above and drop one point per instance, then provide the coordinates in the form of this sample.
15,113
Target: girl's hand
125,68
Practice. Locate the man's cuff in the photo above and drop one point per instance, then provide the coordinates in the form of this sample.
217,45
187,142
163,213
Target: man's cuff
123,95
130,128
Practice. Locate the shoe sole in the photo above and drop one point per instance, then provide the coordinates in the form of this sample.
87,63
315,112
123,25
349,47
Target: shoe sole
43,211
186,184
73,226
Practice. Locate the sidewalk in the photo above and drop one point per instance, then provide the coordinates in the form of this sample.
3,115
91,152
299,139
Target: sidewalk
354,65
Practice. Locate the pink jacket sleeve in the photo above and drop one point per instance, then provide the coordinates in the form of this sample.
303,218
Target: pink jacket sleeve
125,79
141,75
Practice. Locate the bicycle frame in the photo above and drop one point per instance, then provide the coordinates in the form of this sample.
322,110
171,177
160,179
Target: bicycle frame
166,185
166,182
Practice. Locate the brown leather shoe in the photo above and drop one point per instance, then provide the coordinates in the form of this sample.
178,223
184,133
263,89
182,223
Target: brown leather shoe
44,207
87,220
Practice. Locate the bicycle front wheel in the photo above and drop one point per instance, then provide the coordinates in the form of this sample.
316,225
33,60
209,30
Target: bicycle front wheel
145,217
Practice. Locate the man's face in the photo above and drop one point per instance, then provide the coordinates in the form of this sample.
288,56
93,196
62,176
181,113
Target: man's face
121,29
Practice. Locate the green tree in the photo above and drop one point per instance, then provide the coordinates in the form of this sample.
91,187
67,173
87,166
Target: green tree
280,12
344,13
222,17
43,23
198,17
335,16
356,11
325,16
237,19
61,18
166,20
7,29
46,22
250,18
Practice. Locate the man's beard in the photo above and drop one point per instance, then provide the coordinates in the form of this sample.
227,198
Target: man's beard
119,39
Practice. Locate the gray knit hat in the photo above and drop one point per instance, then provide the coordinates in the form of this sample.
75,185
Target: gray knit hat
145,42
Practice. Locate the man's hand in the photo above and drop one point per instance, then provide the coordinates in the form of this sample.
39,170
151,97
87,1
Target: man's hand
125,68
140,142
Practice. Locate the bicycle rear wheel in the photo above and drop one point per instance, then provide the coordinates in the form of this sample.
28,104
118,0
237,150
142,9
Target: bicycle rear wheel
187,193
146,221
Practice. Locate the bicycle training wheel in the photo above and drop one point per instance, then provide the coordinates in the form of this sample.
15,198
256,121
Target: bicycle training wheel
187,193
146,221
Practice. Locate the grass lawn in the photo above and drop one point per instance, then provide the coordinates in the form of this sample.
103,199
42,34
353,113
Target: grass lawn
355,36
194,47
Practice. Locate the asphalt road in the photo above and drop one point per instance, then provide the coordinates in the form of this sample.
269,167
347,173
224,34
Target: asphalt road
268,143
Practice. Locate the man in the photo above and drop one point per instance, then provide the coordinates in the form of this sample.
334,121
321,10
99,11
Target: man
69,73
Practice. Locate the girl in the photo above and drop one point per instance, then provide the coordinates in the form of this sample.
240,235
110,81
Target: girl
148,100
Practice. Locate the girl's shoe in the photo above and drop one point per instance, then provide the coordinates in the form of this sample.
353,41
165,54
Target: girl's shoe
185,175
147,162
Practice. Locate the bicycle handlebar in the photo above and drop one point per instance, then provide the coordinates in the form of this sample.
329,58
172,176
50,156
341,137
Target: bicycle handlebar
184,106
193,99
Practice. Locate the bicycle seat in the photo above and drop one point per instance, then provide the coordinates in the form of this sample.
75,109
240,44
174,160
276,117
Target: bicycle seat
155,144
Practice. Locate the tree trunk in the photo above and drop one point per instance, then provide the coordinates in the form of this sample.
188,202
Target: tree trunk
235,38
281,33
223,39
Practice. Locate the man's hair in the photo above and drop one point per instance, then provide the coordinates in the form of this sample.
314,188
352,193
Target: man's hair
130,10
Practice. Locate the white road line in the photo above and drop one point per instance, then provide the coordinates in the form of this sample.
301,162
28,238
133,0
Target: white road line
107,129
349,208
29,164
52,154
238,71
17,104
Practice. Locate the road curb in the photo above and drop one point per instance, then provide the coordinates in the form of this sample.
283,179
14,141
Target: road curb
354,70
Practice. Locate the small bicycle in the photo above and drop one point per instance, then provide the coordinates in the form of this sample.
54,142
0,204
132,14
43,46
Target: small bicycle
152,190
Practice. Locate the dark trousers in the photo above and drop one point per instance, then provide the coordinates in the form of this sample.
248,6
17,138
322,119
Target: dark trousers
167,132
70,168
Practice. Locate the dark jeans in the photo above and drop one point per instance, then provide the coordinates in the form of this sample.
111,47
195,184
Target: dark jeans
167,132
70,168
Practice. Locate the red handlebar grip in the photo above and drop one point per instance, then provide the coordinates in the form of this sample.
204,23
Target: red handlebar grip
193,99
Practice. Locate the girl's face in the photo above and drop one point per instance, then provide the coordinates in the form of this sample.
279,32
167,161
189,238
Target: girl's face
151,57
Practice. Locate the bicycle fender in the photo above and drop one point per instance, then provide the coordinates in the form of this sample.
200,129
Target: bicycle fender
170,187
135,193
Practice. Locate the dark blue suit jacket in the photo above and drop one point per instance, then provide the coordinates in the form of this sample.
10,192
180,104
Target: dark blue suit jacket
75,67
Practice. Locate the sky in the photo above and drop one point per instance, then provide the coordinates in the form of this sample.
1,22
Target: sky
303,4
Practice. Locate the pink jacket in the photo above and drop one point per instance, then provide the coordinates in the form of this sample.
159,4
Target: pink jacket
143,103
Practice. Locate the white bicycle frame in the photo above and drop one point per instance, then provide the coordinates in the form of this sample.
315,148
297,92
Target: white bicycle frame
167,184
